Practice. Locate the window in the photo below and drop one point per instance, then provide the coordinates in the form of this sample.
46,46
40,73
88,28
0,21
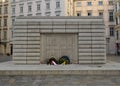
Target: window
13,0
0,35
100,3
21,9
29,14
119,20
78,14
38,7
5,10
38,14
119,4
13,21
6,0
29,8
0,10
116,21
57,13
47,5
5,22
47,13
13,10
5,35
117,35
89,3
100,13
57,4
111,31
89,13
110,2
0,22
78,4
111,17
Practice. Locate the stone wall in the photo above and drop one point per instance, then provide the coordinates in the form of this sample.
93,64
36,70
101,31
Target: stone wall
90,41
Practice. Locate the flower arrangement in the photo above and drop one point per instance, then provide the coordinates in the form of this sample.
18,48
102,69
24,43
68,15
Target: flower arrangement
63,60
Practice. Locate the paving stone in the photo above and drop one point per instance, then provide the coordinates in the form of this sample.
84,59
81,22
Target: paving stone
59,80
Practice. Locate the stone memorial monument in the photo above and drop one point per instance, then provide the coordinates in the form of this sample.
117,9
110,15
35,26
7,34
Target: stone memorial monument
36,39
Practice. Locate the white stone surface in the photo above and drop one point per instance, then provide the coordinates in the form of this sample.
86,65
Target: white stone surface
56,39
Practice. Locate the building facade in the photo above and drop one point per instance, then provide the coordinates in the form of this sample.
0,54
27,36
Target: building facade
117,27
4,27
39,8
104,8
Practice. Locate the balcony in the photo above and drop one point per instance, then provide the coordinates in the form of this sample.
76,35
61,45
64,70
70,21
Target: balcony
117,26
3,41
117,13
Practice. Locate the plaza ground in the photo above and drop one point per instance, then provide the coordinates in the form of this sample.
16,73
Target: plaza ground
60,75
113,63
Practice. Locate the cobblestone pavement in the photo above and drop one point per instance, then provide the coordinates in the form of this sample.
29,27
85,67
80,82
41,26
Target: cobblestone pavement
60,80
4,58
113,58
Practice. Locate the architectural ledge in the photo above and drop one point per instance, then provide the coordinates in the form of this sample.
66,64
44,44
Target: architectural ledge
117,26
117,13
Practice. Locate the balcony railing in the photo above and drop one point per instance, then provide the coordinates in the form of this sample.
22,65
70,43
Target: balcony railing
3,41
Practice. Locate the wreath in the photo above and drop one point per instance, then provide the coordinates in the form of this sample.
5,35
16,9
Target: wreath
64,60
52,61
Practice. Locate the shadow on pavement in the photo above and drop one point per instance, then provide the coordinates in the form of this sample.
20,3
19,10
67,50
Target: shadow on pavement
4,58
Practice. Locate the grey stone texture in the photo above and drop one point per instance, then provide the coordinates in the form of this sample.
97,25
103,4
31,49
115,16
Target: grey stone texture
59,80
37,39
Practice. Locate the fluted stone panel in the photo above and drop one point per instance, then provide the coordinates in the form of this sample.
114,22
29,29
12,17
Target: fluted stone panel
80,38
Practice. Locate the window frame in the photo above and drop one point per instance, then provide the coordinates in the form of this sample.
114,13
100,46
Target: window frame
38,7
47,5
111,16
13,10
21,10
58,4
89,3
78,4
29,8
100,3
5,22
112,31
89,12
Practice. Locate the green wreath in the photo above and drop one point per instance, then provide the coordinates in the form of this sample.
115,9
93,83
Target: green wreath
64,60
